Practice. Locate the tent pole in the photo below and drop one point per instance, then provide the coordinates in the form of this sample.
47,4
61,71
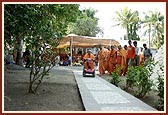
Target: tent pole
71,48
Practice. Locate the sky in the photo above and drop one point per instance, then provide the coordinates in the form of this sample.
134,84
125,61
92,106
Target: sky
106,14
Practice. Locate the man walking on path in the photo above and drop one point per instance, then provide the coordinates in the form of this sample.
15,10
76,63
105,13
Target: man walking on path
147,55
131,54
106,63
141,57
136,59
101,60
112,59
122,57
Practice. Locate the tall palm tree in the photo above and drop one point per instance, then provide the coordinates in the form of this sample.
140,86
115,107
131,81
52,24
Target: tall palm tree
154,24
126,17
158,29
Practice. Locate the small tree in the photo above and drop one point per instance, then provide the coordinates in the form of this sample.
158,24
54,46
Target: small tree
138,77
42,61
53,24
115,76
143,81
40,27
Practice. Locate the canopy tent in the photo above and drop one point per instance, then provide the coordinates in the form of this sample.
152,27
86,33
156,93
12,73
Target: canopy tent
85,41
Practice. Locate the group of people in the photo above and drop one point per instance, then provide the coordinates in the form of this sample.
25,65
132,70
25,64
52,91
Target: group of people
120,57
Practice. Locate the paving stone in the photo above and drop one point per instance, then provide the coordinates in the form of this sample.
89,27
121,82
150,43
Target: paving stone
97,86
108,97
121,109
91,80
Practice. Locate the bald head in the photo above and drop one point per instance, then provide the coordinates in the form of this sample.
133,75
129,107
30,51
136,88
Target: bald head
119,47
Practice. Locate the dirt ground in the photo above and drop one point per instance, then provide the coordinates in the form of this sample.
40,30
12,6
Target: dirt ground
58,92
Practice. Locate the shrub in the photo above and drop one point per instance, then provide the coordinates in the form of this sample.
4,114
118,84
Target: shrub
138,77
115,76
143,81
130,79
160,88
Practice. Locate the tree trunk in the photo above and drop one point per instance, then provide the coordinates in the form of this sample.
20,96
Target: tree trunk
127,32
19,52
149,33
15,53
31,77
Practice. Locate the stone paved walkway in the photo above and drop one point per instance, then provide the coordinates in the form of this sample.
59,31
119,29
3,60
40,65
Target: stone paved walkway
99,95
